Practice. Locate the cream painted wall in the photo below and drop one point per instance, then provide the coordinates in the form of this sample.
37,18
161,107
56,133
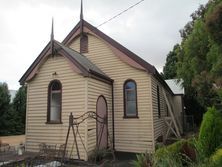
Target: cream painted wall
135,134
73,100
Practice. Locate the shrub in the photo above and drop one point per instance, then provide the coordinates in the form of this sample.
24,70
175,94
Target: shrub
210,136
173,148
200,158
97,155
173,155
188,149
143,160
216,159
165,158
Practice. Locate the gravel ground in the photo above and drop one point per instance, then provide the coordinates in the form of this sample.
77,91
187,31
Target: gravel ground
13,140
16,140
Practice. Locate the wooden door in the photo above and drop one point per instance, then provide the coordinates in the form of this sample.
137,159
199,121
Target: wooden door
101,110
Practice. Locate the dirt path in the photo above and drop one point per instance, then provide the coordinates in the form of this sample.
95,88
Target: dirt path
13,140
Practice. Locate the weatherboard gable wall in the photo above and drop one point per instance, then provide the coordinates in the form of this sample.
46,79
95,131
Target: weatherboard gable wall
73,100
131,134
159,125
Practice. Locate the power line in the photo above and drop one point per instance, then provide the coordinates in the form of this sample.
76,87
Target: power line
120,13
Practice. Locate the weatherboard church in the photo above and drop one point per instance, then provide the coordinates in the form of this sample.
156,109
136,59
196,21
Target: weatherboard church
91,72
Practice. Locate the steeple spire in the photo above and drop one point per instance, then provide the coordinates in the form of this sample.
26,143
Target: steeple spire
52,38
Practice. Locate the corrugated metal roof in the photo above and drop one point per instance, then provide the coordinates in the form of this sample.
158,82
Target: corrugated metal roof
176,86
86,63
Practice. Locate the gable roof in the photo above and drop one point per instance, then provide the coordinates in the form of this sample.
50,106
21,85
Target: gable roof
80,61
114,43
149,68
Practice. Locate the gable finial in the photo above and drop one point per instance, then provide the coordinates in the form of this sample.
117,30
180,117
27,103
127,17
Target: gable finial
52,38
52,30
81,12
81,19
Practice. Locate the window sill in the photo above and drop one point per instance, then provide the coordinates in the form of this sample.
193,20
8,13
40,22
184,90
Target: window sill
130,117
53,122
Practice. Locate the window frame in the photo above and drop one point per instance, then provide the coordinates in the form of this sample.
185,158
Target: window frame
124,100
48,121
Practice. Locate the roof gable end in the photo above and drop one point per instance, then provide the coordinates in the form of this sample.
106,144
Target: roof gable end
86,67
69,38
149,68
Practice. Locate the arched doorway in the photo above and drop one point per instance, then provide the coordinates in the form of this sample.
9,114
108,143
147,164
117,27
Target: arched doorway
101,129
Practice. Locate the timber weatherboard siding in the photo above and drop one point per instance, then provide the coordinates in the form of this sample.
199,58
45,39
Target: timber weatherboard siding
159,124
131,134
95,89
73,100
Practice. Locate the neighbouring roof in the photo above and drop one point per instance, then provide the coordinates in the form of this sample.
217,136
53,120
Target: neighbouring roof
176,86
80,61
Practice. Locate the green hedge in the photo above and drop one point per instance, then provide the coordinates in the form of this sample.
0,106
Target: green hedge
216,159
172,155
210,136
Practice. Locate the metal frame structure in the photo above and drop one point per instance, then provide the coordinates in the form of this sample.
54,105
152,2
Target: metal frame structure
172,122
74,123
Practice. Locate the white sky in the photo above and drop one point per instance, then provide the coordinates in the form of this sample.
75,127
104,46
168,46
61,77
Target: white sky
150,29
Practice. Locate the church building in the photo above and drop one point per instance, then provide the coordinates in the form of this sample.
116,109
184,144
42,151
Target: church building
91,72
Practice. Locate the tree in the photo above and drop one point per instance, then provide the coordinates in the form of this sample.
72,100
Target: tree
12,116
170,69
4,98
19,106
214,23
188,28
4,107
199,59
214,28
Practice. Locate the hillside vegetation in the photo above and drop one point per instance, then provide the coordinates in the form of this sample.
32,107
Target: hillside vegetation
198,59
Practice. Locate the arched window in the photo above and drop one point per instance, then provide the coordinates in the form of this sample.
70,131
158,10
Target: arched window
54,102
130,99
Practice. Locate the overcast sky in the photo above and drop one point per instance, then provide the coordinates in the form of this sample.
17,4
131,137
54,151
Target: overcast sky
150,29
